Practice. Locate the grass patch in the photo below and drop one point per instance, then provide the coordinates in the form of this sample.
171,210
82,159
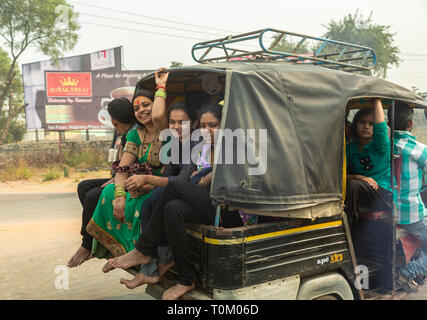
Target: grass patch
85,160
23,173
34,174
13,173
51,174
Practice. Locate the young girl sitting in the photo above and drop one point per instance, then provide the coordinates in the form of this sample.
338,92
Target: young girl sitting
368,163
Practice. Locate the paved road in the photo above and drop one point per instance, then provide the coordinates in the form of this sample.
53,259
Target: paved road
38,233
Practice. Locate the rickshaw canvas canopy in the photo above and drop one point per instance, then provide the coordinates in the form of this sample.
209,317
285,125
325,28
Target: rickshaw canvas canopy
302,109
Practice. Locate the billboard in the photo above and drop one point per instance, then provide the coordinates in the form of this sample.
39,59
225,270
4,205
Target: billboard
68,84
33,75
78,100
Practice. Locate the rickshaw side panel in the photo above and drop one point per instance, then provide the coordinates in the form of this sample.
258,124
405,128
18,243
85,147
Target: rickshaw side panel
241,257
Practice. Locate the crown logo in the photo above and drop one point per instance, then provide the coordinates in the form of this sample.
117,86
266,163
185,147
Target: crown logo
69,82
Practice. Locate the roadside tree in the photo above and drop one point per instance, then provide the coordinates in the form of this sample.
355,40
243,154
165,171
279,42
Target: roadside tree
47,25
11,128
422,94
363,31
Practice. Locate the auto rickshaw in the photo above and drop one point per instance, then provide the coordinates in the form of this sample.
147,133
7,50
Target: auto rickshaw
302,246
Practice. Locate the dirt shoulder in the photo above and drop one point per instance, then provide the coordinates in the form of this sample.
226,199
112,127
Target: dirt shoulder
60,185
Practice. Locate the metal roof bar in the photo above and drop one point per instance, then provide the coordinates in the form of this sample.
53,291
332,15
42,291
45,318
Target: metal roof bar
329,53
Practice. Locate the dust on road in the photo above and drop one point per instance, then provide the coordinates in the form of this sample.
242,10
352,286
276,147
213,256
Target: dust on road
39,231
35,239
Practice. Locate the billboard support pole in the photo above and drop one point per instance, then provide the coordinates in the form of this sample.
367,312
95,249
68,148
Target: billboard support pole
60,149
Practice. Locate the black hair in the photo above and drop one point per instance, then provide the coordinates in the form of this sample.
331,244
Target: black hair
121,109
359,115
215,109
403,113
143,93
191,112
195,99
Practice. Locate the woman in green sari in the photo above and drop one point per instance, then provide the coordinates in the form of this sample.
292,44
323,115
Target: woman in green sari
115,225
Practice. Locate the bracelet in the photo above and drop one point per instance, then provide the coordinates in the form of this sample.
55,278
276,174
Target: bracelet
119,189
201,181
119,193
160,93
161,87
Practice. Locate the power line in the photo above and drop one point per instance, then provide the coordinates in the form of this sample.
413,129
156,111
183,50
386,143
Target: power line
142,31
148,24
152,32
150,17
178,22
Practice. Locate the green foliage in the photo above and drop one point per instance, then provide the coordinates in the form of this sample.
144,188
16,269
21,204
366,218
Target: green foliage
419,92
48,25
85,160
176,64
286,44
51,174
16,130
5,64
16,172
364,32
15,91
23,173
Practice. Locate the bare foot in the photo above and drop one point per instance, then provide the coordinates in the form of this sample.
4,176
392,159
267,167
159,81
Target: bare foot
165,267
130,259
107,267
139,280
82,254
173,293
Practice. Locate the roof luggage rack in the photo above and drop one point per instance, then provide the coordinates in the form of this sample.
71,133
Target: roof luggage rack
325,52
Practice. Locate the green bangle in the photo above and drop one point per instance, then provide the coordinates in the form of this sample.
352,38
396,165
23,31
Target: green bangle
119,193
160,93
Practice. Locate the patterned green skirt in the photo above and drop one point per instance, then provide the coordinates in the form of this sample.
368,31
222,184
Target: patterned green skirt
110,237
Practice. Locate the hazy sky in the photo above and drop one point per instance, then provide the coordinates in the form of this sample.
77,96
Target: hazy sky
154,33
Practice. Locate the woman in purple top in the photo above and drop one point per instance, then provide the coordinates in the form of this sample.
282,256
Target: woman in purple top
181,202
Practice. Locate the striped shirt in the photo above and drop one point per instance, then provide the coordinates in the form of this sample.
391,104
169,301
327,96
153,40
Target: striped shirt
413,154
